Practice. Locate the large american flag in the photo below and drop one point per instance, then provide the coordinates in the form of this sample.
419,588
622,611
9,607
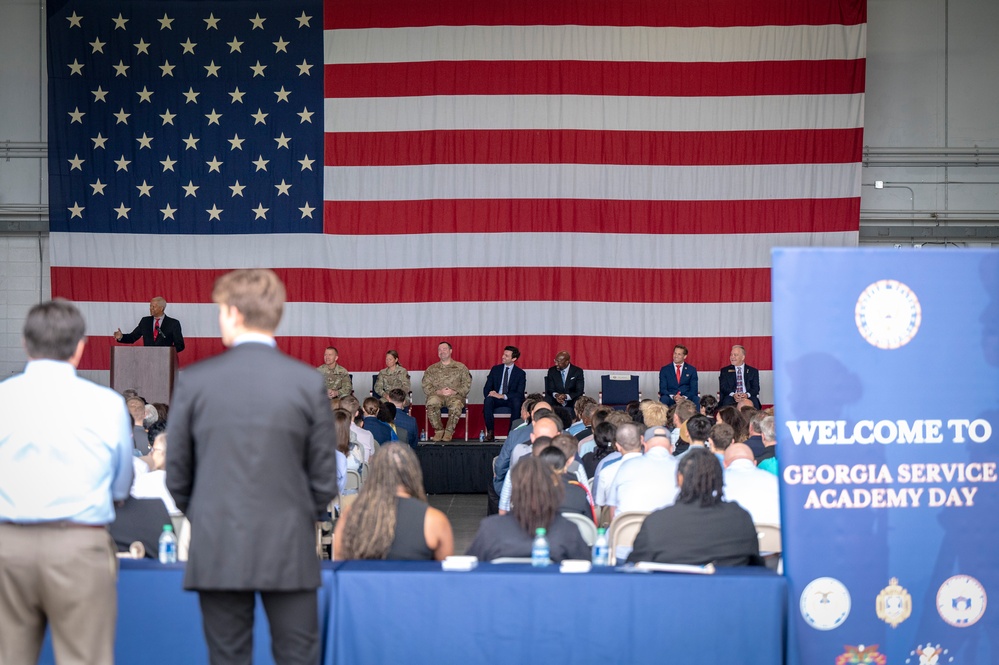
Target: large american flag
603,177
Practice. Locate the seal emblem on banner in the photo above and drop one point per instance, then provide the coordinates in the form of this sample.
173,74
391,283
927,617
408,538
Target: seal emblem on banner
888,314
961,601
861,655
928,654
894,604
825,603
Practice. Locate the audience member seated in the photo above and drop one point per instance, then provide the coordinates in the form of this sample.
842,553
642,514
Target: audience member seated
570,448
698,430
341,438
151,417
603,438
648,482
137,409
390,518
720,438
143,465
709,405
654,414
378,429
683,412
537,497
386,414
358,433
402,419
546,424
517,436
529,402
752,488
627,445
768,459
700,527
152,484
163,410
564,416
139,520
577,498
755,435
731,416
634,410
600,414
355,452
581,423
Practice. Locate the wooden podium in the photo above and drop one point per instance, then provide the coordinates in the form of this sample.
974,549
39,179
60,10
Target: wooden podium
148,369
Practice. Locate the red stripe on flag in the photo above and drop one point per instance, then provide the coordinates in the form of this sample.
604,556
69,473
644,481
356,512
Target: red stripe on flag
432,285
825,146
350,14
590,216
366,356
562,77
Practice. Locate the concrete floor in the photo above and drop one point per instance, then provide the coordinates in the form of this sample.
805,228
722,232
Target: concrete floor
464,511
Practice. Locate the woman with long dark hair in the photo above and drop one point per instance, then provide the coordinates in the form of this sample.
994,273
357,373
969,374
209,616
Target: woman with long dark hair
731,416
701,527
390,518
537,495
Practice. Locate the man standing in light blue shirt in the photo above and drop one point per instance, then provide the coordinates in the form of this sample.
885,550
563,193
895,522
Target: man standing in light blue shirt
59,479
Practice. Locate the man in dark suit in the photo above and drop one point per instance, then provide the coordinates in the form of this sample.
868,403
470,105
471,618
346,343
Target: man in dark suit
678,379
505,386
157,329
738,382
252,464
564,383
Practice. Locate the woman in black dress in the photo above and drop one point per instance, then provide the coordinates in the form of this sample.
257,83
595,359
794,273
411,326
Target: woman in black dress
390,518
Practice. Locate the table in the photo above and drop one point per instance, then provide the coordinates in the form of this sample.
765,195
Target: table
411,612
160,624
457,468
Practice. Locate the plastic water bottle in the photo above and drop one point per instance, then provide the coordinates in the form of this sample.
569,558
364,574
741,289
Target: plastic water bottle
482,435
601,550
540,552
168,545
423,435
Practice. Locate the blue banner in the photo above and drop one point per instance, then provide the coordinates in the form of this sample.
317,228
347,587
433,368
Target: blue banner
886,377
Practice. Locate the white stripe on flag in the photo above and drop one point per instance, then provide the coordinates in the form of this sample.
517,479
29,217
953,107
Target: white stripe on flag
592,181
594,112
596,43
593,250
458,319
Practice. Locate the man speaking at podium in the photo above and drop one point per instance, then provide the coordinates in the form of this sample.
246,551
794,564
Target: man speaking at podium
157,329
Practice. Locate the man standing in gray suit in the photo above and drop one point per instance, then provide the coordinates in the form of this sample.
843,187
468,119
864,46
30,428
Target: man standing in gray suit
251,463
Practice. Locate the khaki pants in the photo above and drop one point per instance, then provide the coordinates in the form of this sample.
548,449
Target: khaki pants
63,575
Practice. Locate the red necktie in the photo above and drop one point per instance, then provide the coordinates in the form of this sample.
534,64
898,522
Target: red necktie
678,374
156,329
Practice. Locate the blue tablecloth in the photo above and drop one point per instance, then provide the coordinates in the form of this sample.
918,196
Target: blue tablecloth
398,612
160,623
413,613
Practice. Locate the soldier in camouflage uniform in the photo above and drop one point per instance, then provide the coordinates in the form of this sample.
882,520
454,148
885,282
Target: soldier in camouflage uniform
445,383
338,383
393,376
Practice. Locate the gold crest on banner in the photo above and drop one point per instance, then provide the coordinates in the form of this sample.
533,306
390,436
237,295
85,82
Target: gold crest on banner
894,604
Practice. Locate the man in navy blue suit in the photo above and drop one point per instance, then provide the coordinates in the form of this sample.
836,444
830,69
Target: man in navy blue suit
739,382
505,387
678,379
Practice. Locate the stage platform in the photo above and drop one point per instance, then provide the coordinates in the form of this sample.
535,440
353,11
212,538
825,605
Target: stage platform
457,467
